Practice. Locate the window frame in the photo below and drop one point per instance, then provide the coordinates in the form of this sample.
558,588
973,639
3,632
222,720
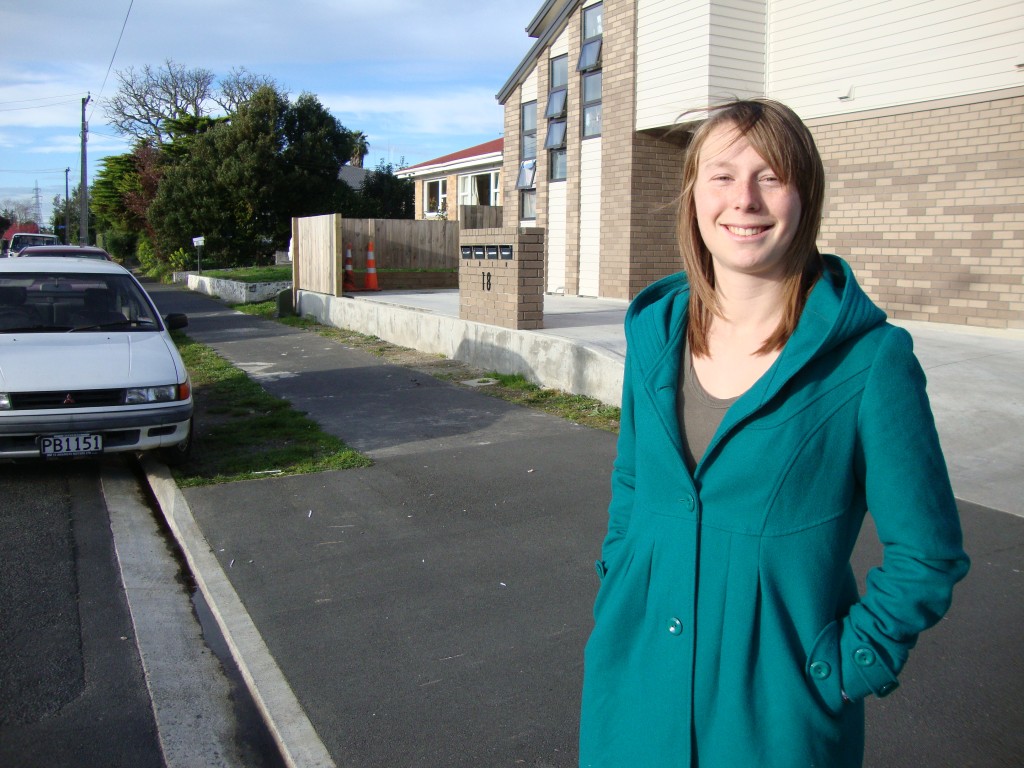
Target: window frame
590,106
528,136
442,197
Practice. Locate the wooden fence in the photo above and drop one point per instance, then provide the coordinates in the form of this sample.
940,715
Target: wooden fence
319,244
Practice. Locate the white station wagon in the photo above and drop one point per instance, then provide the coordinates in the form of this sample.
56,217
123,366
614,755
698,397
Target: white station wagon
87,365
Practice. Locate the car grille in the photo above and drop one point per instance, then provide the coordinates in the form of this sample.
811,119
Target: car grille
89,398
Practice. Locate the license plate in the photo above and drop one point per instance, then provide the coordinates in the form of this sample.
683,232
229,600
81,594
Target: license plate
70,445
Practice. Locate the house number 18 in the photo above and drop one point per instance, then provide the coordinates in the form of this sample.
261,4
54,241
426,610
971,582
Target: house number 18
485,281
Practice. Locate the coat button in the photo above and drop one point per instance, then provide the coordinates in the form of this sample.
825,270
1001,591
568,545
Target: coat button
820,670
865,657
888,688
675,627
687,501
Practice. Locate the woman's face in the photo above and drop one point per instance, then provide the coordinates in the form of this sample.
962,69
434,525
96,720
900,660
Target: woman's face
747,217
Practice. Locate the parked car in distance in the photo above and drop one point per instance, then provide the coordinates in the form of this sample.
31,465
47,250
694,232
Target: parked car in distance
78,251
87,365
20,240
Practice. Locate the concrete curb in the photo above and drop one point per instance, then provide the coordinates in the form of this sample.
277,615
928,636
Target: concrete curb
546,360
187,687
298,741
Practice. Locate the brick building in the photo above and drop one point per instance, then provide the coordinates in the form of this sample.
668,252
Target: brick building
917,108
469,176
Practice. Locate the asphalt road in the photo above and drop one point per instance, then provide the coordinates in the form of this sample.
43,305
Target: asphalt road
73,692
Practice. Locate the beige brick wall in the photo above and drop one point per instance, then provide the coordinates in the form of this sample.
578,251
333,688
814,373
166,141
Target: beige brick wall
928,207
504,292
618,85
657,176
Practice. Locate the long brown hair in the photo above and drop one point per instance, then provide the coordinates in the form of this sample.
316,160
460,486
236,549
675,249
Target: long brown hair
777,134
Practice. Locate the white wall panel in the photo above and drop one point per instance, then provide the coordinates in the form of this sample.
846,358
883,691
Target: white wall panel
590,217
554,270
890,53
529,89
690,54
671,59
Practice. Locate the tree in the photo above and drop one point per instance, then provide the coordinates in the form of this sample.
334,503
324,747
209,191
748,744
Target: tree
238,87
386,196
149,99
242,181
361,148
146,99
74,214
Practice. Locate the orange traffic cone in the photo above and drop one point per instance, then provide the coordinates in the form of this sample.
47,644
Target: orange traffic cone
370,283
348,283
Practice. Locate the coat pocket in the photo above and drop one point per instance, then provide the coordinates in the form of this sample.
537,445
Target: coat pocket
823,669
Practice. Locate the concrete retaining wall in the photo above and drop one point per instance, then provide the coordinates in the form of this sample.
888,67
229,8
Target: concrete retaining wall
546,360
235,292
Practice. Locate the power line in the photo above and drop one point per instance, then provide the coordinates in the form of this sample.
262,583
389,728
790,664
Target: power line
40,98
38,106
113,56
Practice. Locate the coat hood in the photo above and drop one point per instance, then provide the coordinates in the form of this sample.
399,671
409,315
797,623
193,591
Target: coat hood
836,311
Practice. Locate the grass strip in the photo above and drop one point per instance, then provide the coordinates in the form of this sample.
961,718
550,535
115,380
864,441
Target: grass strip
243,432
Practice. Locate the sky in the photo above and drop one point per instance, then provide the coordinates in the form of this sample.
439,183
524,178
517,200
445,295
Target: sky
418,78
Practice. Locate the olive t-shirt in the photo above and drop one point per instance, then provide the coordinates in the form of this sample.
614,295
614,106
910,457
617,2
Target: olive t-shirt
699,413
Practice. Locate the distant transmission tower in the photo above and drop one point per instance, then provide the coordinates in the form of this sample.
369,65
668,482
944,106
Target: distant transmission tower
37,209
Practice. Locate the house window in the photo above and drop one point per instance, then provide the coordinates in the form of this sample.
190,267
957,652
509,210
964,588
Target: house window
592,104
593,30
527,172
435,197
556,135
528,204
557,170
590,67
479,189
529,131
558,89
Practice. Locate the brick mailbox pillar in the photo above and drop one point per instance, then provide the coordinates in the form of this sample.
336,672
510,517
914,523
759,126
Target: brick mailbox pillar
501,277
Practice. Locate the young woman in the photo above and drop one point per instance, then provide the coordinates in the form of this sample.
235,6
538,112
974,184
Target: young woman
767,406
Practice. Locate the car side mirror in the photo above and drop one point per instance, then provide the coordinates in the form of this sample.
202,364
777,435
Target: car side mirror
175,320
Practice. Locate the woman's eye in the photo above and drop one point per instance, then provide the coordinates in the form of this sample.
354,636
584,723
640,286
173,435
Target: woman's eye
769,179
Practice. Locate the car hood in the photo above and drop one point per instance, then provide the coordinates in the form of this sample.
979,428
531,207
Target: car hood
34,362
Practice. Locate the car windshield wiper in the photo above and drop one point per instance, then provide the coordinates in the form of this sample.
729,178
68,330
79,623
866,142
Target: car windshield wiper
112,324
25,328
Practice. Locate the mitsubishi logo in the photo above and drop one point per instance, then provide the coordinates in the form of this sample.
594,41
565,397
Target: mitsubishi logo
69,400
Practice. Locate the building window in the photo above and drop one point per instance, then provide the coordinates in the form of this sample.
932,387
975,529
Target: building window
527,172
592,104
557,170
528,204
558,88
435,197
590,67
479,189
593,31
528,150
556,135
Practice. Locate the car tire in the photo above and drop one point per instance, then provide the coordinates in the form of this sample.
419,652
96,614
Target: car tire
176,455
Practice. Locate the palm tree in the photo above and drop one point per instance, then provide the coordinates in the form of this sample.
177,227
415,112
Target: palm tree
360,150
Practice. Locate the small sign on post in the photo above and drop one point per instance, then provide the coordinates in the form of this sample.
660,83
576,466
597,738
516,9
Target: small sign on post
199,242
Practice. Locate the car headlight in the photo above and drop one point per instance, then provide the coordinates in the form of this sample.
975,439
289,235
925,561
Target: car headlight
5,401
140,395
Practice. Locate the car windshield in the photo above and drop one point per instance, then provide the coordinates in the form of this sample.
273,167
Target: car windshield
50,302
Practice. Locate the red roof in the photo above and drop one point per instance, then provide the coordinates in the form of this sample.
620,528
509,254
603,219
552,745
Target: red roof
30,228
487,148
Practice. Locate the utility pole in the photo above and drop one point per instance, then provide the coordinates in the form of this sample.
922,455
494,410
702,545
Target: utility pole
83,224
67,209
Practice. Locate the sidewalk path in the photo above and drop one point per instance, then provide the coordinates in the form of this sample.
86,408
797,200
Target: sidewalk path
431,610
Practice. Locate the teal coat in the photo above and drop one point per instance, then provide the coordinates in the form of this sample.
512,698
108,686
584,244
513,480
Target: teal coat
728,624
